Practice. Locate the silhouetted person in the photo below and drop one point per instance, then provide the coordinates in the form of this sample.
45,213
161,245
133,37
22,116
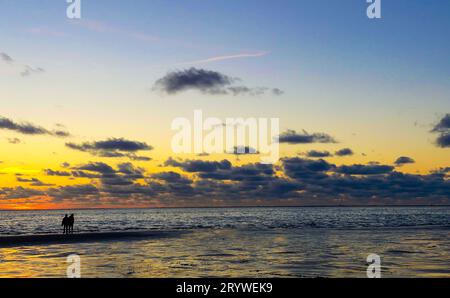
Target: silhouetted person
65,224
71,221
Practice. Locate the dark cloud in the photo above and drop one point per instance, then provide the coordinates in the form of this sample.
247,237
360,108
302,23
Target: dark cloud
78,193
371,169
318,154
206,81
172,177
28,128
344,152
50,172
198,79
194,166
98,167
295,181
65,165
61,133
443,127
443,140
8,193
292,137
24,128
298,168
403,160
114,147
33,181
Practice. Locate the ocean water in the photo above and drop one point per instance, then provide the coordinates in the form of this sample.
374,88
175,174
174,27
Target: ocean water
235,242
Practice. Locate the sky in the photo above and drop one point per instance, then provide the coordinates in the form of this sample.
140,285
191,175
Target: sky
87,104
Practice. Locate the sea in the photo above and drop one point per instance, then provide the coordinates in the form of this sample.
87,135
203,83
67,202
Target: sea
306,242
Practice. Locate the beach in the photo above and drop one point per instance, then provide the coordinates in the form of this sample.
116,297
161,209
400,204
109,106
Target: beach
232,242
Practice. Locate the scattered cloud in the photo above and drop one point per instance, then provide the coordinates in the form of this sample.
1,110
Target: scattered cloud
32,181
443,128
28,70
318,154
443,140
6,58
14,140
114,147
28,128
207,82
371,169
292,137
403,160
344,152
294,181
443,125
193,166
25,70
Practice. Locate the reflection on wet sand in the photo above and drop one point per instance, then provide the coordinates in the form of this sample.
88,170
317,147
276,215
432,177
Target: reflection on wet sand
243,253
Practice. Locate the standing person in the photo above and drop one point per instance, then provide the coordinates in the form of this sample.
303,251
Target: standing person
71,221
65,224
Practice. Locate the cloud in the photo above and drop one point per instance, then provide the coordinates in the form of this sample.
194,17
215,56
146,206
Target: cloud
344,152
28,128
294,181
299,168
125,174
26,70
9,193
6,58
113,147
172,177
403,160
193,166
318,154
14,141
292,137
443,140
33,181
277,91
207,82
50,172
98,167
443,125
371,169
443,128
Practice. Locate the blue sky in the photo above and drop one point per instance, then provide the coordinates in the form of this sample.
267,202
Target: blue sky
378,86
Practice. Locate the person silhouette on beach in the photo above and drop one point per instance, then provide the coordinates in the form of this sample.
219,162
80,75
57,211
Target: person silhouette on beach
65,224
71,221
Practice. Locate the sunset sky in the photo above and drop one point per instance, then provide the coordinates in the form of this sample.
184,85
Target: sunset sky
87,105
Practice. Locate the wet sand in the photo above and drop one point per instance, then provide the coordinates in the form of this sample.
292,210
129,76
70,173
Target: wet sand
30,240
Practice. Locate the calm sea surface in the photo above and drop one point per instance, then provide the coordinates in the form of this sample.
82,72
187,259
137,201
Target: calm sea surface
237,242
